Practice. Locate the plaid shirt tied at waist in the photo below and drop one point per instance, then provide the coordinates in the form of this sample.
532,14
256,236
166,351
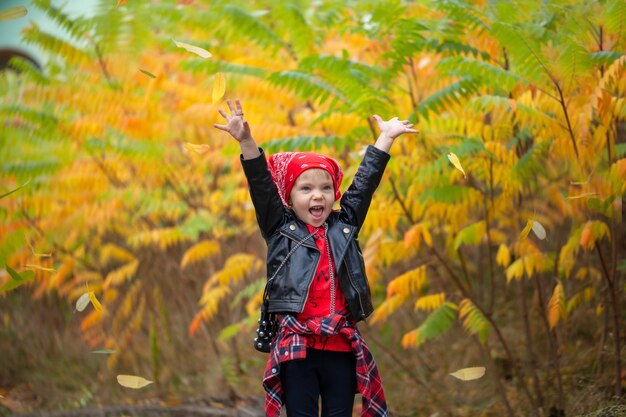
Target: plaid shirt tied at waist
291,344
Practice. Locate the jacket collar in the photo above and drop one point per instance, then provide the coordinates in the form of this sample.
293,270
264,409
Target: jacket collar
339,233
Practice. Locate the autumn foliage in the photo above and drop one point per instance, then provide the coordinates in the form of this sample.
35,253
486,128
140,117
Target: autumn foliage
495,239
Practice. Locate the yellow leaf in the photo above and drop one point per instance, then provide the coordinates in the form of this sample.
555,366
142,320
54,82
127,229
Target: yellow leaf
121,274
469,374
503,257
13,13
430,302
41,268
199,149
82,302
583,195
527,229
515,270
94,301
540,232
219,87
201,250
410,282
195,49
455,161
132,381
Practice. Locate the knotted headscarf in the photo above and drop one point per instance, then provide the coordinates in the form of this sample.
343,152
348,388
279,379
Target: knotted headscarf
286,167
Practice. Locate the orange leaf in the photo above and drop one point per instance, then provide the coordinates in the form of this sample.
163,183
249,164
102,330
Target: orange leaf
121,3
586,236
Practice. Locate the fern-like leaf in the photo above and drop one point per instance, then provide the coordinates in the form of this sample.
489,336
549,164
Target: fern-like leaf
487,73
439,102
437,323
473,320
411,282
199,251
430,302
470,235
305,85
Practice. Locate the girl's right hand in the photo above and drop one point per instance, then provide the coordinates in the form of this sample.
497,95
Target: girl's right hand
236,125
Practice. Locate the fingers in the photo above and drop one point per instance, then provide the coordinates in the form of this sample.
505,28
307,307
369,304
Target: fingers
239,108
223,113
220,127
230,106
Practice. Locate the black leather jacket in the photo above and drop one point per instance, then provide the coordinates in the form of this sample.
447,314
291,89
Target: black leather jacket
281,229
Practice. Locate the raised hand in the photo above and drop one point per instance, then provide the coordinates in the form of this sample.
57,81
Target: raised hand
394,127
236,125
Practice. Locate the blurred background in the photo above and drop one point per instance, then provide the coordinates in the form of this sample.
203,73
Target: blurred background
129,245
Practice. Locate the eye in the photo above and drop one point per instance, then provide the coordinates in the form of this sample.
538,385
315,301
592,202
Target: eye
328,188
305,188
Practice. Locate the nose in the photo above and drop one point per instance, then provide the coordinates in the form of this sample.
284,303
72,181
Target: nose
317,195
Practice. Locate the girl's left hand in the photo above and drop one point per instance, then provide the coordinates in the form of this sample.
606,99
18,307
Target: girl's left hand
394,127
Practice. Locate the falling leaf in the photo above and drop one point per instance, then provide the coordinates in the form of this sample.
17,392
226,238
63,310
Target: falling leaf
199,149
103,351
41,268
583,195
121,3
15,189
455,161
132,381
195,49
148,73
17,279
527,229
468,374
82,302
94,301
11,14
539,230
219,87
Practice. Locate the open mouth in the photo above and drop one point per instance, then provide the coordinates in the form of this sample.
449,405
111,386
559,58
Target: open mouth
316,211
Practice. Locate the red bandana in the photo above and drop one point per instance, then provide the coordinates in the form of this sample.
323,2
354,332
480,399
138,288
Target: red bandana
285,168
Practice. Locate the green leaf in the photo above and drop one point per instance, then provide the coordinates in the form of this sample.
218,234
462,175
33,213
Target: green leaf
14,190
439,101
437,323
149,74
470,235
103,351
451,194
229,332
17,279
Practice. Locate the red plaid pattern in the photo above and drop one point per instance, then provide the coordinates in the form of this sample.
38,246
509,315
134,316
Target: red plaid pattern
291,345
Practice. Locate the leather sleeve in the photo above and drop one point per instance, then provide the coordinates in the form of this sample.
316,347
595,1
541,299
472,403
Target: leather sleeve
355,202
267,203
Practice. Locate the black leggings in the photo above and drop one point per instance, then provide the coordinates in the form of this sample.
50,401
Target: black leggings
326,374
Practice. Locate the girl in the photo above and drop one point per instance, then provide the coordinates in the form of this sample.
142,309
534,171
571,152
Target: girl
319,285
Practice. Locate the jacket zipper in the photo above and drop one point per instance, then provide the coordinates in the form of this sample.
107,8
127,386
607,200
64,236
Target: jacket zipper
357,291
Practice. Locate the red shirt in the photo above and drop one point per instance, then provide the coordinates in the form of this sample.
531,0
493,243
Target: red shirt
318,301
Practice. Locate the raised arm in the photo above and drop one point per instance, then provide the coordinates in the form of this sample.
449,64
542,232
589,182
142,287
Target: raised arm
356,200
390,130
239,129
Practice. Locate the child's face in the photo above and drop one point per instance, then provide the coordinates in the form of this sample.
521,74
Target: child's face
312,196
